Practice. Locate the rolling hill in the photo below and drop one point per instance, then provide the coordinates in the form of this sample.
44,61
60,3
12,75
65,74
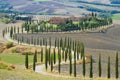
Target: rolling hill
61,7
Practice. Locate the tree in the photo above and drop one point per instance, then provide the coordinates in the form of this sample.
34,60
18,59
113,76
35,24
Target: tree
59,61
26,60
49,52
14,29
46,58
55,42
50,42
18,29
54,56
11,32
75,63
35,55
108,69
41,54
34,61
51,62
91,67
70,59
84,67
117,66
22,29
3,33
99,65
82,50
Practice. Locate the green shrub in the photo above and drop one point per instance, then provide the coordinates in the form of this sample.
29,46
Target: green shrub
27,51
14,50
9,44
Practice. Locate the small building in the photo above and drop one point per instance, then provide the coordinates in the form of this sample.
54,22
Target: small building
58,20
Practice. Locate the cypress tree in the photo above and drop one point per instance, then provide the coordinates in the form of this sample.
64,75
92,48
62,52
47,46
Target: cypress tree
58,44
41,54
18,29
82,50
70,59
65,42
66,54
50,42
61,42
49,52
55,42
108,70
22,29
116,66
91,68
3,33
75,63
59,61
51,62
26,61
11,32
99,66
46,58
54,56
34,60
35,55
14,29
84,67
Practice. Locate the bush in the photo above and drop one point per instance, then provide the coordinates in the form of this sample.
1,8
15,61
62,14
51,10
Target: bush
14,50
9,44
27,51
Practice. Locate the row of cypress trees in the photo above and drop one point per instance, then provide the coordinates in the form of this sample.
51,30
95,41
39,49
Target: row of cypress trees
64,51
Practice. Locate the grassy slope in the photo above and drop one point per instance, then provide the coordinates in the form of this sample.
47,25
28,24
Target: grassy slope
116,17
15,58
22,74
29,75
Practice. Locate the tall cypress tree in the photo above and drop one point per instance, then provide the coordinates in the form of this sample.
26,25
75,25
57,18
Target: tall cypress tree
55,42
66,54
99,66
3,33
50,42
51,62
49,52
46,58
84,67
18,29
91,67
14,29
75,62
41,54
59,61
82,50
22,29
116,66
70,59
11,32
35,55
26,61
34,61
54,56
108,69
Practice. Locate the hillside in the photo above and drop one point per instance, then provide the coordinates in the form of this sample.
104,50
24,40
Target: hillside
59,7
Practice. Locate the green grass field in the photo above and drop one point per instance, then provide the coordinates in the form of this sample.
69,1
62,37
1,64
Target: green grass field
15,58
116,17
